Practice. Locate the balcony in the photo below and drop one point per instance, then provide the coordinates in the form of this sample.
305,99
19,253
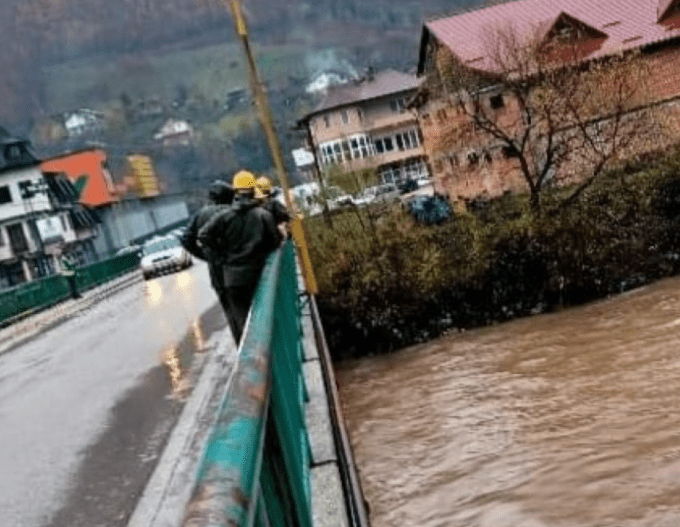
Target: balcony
385,158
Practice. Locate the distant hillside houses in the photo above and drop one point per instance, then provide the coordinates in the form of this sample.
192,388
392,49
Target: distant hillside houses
84,121
175,133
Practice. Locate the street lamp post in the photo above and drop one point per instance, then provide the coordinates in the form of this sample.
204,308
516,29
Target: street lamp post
267,122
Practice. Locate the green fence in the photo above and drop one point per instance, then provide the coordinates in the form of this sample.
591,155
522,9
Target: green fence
48,291
256,467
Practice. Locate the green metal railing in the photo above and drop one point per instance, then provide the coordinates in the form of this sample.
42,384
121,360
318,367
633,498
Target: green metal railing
48,291
256,467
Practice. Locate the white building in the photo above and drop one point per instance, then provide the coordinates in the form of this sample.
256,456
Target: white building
84,121
175,133
38,218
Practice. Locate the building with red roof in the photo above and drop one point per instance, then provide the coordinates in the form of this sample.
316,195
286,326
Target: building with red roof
464,45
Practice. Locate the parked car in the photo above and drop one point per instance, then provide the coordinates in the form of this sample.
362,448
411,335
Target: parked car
423,181
430,210
164,255
132,248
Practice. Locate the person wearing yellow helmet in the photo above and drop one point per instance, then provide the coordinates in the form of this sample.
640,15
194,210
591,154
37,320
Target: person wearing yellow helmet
242,236
270,202
220,195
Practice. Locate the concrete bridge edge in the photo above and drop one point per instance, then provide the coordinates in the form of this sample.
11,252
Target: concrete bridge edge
168,491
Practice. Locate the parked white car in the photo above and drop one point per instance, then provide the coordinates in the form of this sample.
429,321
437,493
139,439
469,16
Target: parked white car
164,255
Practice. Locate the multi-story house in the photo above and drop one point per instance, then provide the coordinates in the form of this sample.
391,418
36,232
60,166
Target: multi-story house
39,217
464,46
365,125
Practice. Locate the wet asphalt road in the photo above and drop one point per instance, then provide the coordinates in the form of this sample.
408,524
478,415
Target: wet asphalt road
86,407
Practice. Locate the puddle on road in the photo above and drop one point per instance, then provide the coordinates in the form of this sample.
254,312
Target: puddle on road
182,360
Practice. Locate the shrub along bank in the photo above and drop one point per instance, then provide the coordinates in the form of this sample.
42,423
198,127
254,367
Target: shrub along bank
386,282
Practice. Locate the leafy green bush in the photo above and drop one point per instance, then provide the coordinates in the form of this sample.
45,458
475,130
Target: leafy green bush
386,281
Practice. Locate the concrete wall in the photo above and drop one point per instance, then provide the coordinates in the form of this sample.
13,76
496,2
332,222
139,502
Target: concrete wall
132,220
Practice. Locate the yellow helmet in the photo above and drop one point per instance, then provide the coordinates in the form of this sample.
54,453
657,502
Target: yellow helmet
244,180
264,185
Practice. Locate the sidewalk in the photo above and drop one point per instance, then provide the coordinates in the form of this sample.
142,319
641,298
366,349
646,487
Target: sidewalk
26,328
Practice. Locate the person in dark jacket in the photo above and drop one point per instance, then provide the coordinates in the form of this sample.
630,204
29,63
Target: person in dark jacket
268,201
69,269
221,195
242,237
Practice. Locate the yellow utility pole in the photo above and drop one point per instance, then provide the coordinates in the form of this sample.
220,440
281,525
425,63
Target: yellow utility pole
267,122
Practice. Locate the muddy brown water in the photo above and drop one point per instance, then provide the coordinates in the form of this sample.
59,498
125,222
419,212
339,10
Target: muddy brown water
569,419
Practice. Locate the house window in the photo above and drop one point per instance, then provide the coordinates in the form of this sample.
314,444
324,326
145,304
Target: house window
337,152
427,120
327,120
25,189
407,140
13,152
5,196
414,168
398,105
63,223
473,159
354,143
345,116
415,140
17,238
438,165
496,102
441,115
360,114
400,141
487,157
363,144
346,151
389,146
360,146
2,238
379,145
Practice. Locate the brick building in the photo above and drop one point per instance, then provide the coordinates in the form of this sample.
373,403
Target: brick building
365,125
459,47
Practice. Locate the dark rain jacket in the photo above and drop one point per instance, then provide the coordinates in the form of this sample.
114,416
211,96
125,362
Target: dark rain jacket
241,238
277,210
190,241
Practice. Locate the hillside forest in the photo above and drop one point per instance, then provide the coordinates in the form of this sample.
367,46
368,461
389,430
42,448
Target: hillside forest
139,63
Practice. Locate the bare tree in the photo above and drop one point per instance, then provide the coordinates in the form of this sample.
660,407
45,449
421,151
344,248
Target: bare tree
564,119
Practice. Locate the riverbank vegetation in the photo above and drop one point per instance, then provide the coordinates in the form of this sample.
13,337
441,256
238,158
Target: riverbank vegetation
386,282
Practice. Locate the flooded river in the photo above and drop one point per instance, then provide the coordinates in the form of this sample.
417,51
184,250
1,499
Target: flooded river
569,420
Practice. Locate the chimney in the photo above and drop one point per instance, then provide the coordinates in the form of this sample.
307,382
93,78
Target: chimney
370,73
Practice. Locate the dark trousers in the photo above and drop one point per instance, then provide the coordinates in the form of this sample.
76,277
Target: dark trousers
236,302
72,286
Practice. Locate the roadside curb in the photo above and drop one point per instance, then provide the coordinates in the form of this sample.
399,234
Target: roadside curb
168,491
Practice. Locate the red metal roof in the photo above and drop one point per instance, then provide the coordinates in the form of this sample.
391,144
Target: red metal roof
88,172
383,83
628,24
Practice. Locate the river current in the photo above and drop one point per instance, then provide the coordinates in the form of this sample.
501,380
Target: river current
569,419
